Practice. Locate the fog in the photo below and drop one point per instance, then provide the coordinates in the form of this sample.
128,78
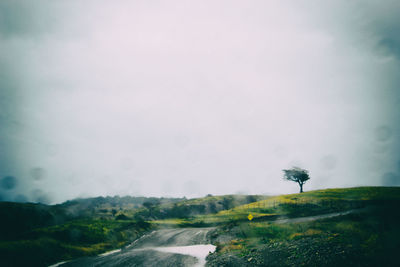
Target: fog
188,98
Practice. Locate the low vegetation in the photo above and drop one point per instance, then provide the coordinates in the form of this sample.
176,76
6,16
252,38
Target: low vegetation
188,210
77,238
367,236
83,227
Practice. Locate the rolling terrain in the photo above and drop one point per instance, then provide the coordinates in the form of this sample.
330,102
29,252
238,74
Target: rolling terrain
349,226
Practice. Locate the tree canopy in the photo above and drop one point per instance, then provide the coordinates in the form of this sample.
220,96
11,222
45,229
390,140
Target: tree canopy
297,175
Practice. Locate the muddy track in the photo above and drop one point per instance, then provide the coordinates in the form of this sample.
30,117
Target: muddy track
149,250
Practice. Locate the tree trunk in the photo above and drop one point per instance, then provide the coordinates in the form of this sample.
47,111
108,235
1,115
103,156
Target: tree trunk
301,188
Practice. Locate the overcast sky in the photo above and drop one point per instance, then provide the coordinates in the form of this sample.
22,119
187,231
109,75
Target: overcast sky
186,98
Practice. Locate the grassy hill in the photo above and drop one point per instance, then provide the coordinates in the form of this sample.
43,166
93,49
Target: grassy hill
109,207
369,236
292,205
366,236
46,234
187,210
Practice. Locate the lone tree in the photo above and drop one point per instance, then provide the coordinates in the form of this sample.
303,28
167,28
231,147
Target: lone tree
297,175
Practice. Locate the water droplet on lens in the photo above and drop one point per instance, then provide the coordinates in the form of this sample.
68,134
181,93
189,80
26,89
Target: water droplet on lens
380,148
21,198
390,179
38,173
8,182
40,197
383,133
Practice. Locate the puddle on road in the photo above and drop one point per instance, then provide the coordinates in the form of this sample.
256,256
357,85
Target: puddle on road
110,252
198,251
58,264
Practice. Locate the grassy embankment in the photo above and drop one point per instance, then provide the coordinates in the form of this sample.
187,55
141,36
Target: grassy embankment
40,235
291,206
78,238
370,237
46,234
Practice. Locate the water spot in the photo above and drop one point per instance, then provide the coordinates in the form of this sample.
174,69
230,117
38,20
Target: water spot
374,164
383,133
40,197
38,173
14,127
328,162
380,148
192,157
8,182
21,198
390,179
388,47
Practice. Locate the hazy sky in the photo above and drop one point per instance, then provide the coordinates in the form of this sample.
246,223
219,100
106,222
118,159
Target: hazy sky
186,98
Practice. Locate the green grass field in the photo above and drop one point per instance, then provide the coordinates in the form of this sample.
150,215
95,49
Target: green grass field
47,245
368,237
294,205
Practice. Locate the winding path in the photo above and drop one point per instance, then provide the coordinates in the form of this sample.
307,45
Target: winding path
172,247
165,247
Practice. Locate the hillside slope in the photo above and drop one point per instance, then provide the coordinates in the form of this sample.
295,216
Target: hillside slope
366,236
46,234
